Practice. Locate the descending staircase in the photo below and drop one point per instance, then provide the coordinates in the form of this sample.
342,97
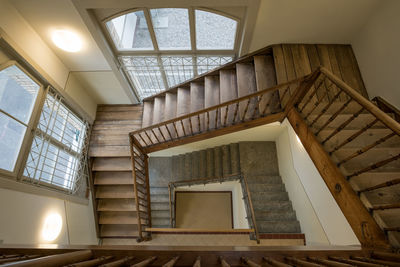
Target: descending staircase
272,207
114,199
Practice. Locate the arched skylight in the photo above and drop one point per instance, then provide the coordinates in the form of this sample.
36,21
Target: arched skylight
160,48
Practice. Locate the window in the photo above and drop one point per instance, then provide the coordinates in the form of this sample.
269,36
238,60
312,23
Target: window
18,93
57,155
163,47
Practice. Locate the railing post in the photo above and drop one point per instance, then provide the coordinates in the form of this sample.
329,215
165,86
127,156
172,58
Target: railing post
146,165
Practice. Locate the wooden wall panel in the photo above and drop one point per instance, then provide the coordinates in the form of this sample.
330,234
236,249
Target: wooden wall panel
295,60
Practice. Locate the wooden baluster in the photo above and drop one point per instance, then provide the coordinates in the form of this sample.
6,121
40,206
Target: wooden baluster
199,123
226,114
374,261
223,262
176,130
316,104
117,263
298,262
162,135
145,262
90,263
16,258
267,105
328,262
325,108
141,137
354,136
197,263
258,101
235,113
245,110
151,141
216,118
387,256
366,148
353,262
183,128
169,133
333,116
191,126
374,166
311,96
342,126
385,184
208,121
172,262
135,187
249,262
146,165
275,262
158,140
57,260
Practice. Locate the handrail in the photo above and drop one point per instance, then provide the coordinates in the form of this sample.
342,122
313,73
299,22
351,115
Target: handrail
253,216
387,107
368,105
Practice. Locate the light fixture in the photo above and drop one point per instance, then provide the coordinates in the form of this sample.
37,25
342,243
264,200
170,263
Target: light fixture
67,40
52,227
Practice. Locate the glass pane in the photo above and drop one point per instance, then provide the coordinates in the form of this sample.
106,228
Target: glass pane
145,73
207,63
18,93
214,31
130,32
11,137
171,26
177,69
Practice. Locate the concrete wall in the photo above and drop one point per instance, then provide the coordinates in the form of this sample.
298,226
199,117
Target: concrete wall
42,58
23,216
376,47
330,217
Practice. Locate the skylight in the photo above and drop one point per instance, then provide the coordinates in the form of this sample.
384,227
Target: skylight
163,47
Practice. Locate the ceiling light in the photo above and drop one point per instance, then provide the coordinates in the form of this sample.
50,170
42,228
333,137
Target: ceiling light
52,227
67,40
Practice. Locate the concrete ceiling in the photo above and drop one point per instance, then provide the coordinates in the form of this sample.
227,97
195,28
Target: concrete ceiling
318,21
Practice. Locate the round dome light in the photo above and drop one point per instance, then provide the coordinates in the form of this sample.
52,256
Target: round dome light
67,40
52,227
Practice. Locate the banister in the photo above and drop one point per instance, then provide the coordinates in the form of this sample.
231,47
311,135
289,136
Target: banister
368,105
253,216
387,107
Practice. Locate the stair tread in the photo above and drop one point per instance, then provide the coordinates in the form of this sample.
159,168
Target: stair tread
119,230
113,178
116,217
116,205
115,191
112,164
109,151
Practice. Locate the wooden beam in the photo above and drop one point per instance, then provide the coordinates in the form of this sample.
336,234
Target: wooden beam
218,132
364,226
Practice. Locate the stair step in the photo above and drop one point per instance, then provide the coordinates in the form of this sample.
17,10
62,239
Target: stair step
281,205
109,139
158,190
226,160
369,179
160,214
217,162
147,118
118,217
117,115
183,108
228,91
246,84
160,206
170,110
112,164
159,198
278,226
115,191
384,195
268,196
160,222
109,151
113,178
358,123
119,230
235,159
264,179
211,96
275,215
116,205
266,188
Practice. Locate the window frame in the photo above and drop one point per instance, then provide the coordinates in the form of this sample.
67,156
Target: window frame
194,52
30,125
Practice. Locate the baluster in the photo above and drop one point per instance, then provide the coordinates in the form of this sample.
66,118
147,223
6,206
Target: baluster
162,135
284,94
223,262
354,136
249,262
172,262
152,130
366,148
311,95
141,137
145,262
385,184
275,262
216,118
316,104
183,128
267,105
169,133
344,124
151,141
199,124
208,121
235,113
120,262
298,262
373,261
351,262
258,101
386,206
328,262
191,126
245,110
374,166
333,116
197,263
226,114
324,109
94,262
176,130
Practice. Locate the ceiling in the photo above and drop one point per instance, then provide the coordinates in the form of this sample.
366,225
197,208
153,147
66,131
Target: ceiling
267,22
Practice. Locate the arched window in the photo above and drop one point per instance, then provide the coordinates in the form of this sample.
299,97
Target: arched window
163,47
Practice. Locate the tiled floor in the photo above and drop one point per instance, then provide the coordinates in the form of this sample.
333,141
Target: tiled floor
203,240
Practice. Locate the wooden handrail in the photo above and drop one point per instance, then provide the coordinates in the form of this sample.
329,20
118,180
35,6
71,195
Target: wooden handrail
253,216
368,105
387,107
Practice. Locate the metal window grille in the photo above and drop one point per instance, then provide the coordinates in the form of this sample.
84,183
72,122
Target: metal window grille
58,155
153,74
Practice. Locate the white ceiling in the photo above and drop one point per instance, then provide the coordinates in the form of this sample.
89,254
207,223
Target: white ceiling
277,21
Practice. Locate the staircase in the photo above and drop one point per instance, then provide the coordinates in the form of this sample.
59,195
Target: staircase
114,199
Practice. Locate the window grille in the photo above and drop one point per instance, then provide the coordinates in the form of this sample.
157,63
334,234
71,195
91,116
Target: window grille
58,155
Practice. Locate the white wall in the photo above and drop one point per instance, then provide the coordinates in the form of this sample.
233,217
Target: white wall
22,218
238,207
331,218
376,47
305,213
